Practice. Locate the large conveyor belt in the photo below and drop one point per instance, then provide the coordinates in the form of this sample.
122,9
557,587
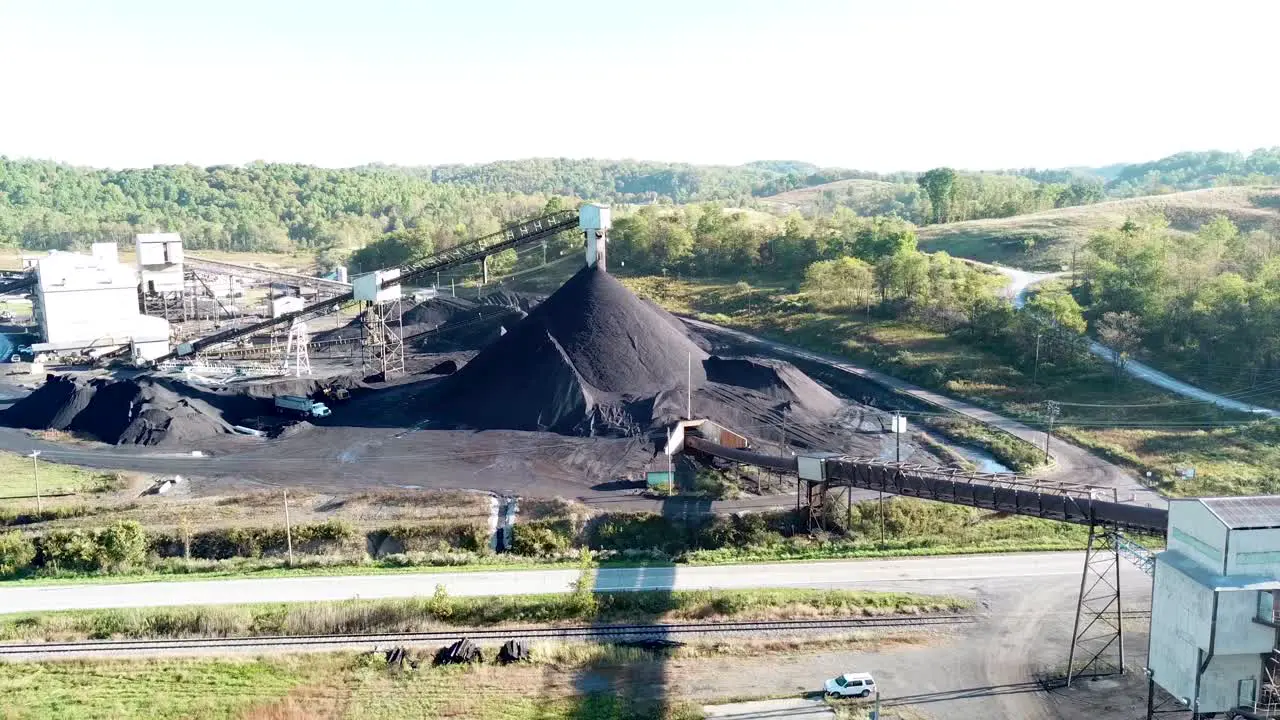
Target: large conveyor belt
229,268
22,283
1003,493
473,251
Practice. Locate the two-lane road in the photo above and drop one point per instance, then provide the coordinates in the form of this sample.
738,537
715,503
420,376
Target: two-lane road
939,573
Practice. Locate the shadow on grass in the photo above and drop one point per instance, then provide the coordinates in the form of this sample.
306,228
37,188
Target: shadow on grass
635,686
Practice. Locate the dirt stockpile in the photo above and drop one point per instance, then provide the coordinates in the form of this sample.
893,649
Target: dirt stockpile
594,359
135,411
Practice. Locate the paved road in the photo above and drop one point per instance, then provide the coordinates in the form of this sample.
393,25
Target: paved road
958,571
1073,463
1021,282
781,709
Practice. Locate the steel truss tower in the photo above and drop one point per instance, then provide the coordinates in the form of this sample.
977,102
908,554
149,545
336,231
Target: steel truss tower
381,347
296,345
1097,639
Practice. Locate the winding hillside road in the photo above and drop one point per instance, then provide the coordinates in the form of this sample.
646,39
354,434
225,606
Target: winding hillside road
1021,282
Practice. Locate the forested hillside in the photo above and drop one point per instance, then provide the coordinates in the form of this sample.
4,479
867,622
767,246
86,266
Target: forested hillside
1194,170
257,207
618,181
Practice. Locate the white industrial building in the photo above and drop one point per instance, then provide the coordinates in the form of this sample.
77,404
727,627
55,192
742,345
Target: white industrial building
89,303
1214,607
159,262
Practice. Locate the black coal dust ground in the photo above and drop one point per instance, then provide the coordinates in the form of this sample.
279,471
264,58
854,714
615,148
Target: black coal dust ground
567,393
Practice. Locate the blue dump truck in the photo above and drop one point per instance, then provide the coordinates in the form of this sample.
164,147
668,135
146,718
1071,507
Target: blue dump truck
301,406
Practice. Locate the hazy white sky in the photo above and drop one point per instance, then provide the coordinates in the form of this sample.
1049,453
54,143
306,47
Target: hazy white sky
882,85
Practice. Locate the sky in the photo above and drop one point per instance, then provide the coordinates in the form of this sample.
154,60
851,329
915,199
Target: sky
889,85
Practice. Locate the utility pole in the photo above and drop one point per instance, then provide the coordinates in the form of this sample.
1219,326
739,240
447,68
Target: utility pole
35,477
288,527
688,411
1035,374
1051,410
899,427
671,472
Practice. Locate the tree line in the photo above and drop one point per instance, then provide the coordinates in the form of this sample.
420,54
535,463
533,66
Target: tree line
257,207
1196,170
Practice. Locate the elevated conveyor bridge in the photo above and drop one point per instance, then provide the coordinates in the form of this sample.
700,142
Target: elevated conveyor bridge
476,250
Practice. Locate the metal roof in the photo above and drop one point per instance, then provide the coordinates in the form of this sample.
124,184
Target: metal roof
1244,513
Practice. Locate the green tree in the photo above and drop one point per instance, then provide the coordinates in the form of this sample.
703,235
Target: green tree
939,184
842,284
1059,309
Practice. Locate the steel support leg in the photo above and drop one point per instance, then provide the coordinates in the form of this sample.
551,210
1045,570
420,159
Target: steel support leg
1097,635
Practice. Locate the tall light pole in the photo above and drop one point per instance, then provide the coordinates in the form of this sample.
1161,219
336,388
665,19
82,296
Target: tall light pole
1051,410
35,476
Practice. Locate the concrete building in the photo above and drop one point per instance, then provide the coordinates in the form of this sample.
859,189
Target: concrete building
90,303
1214,603
159,262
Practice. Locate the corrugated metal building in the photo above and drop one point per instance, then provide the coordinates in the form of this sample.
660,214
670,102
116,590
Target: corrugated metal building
90,302
1213,607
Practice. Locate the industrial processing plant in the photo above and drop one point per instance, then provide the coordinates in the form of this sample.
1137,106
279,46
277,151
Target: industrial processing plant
561,382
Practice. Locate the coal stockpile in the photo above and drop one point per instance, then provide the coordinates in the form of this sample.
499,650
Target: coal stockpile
773,379
147,410
449,324
513,299
134,411
594,359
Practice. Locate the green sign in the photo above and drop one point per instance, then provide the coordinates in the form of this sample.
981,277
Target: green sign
657,478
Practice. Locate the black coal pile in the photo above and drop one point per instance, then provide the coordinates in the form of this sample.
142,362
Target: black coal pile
134,411
449,324
594,359
774,380
513,299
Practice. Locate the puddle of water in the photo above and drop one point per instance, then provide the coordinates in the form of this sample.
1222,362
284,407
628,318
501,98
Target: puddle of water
982,460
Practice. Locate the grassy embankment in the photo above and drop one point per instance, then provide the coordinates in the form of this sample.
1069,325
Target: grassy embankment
1229,460
77,538
1045,240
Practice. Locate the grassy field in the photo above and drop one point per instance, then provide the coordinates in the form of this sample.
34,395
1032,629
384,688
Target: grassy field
556,684
441,612
11,258
17,479
1045,240
1112,415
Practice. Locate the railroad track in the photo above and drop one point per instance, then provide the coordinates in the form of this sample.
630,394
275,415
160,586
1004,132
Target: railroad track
603,633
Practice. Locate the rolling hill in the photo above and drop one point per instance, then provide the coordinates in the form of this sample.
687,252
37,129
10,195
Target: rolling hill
801,198
1044,240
